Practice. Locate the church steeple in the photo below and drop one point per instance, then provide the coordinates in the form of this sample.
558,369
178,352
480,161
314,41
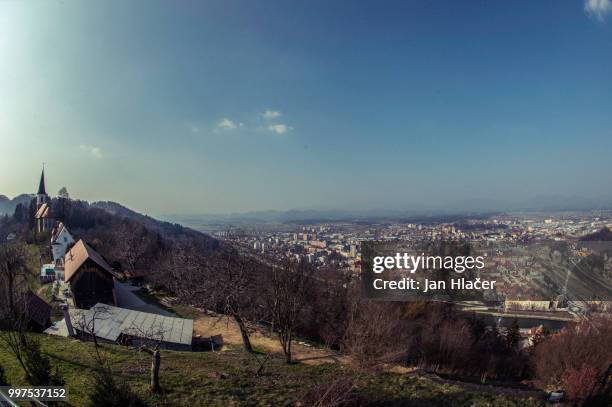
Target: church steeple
41,195
41,185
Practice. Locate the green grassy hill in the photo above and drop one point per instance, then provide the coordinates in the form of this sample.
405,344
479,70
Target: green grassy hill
228,378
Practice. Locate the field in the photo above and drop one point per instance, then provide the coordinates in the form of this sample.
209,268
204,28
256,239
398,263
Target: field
229,378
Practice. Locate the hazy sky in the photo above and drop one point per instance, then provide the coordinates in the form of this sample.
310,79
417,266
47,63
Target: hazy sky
221,106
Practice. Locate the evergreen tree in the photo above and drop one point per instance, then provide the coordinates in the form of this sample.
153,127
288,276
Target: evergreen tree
513,336
106,392
39,366
3,381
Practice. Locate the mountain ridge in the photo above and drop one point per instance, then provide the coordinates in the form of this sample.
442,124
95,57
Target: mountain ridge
8,205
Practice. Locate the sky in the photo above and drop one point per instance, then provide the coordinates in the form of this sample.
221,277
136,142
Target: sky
232,106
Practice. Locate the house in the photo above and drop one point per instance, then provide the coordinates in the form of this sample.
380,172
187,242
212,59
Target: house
37,311
61,239
90,277
529,305
126,327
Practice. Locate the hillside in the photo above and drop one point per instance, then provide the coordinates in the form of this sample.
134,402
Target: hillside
7,205
126,238
228,378
166,229
604,235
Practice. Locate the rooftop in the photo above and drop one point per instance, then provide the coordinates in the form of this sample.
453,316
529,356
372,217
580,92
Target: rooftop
111,322
79,254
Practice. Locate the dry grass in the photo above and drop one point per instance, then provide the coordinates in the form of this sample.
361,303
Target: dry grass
208,325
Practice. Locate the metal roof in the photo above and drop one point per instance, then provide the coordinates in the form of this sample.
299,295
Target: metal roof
110,322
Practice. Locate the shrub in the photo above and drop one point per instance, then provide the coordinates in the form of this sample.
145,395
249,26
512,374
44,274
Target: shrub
3,381
575,358
39,367
580,384
339,392
106,392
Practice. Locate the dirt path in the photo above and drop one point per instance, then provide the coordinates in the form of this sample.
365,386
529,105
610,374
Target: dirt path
487,388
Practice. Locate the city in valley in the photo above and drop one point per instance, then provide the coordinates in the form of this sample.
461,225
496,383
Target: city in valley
337,245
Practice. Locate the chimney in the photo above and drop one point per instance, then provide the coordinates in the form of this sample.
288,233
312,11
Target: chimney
64,308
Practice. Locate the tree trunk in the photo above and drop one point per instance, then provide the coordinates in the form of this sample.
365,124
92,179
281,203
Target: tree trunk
288,356
155,363
244,332
11,293
288,340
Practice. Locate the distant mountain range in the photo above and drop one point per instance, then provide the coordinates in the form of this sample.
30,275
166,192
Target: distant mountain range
7,205
471,207
460,209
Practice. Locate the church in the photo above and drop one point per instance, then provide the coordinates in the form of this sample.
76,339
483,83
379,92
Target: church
44,217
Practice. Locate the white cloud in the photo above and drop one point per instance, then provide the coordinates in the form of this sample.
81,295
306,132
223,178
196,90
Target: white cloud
271,114
279,128
227,124
93,150
598,9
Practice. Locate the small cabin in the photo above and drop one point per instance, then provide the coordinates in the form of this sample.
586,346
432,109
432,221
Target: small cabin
37,311
90,277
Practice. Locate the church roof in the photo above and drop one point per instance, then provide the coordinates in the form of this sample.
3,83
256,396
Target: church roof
78,255
43,212
41,185
57,231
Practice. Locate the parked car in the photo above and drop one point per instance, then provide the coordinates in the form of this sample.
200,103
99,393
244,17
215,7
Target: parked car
556,396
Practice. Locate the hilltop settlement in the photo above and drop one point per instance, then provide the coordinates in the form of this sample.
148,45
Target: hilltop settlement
89,287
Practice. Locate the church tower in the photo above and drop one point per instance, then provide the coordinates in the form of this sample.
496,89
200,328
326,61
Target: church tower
41,195
43,217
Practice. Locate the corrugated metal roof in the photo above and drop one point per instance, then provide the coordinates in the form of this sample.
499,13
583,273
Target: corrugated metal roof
110,322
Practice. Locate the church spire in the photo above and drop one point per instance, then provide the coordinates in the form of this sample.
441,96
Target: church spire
41,185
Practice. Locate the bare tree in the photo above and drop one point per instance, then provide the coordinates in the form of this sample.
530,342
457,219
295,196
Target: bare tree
85,322
150,341
13,304
131,243
228,288
287,294
13,275
374,336
223,282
